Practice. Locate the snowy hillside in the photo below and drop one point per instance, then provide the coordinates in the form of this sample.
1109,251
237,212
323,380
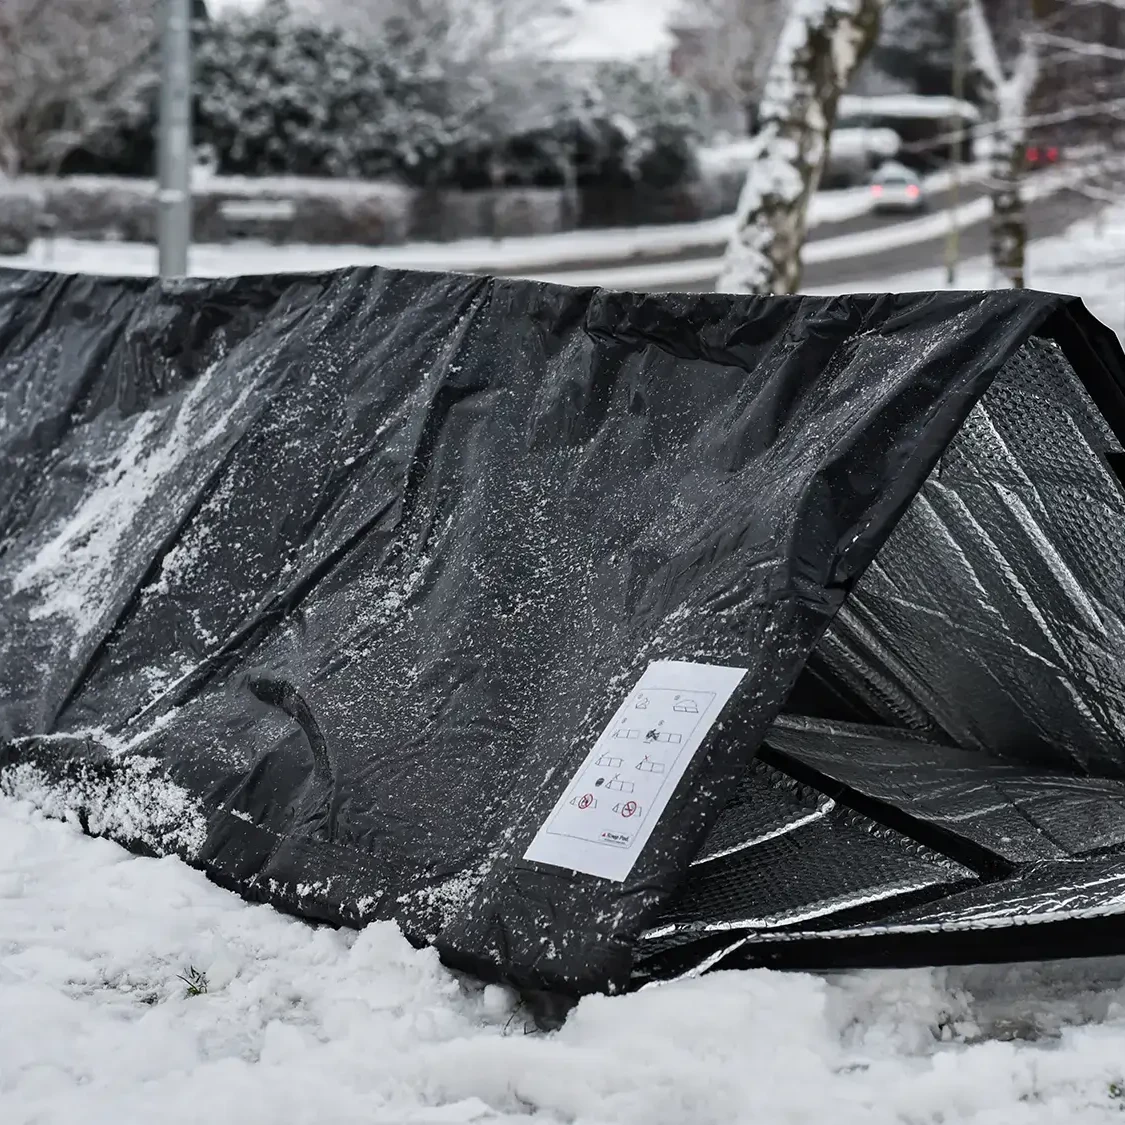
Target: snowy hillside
131,990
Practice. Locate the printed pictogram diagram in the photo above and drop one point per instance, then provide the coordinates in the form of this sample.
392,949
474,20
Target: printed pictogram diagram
628,776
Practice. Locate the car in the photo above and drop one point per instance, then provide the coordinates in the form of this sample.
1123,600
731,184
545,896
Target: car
1041,156
894,187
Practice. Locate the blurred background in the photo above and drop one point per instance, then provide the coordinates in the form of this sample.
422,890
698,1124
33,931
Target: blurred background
591,141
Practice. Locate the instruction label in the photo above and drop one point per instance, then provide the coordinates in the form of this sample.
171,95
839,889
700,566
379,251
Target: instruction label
608,811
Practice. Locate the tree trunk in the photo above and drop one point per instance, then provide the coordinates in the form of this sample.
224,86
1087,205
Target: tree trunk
1010,93
1008,224
821,45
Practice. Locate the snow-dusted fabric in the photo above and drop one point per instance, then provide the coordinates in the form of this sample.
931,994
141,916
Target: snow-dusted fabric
328,582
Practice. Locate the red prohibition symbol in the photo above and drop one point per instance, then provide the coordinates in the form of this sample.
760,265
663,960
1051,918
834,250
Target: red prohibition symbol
628,808
586,801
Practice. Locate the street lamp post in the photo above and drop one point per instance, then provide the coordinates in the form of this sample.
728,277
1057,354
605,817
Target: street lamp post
174,191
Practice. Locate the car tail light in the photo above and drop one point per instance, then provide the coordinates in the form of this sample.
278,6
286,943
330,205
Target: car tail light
876,189
912,190
1052,154
1033,155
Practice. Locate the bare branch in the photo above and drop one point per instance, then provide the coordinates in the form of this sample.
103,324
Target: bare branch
1081,47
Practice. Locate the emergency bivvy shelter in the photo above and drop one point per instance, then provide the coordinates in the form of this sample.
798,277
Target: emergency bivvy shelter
594,638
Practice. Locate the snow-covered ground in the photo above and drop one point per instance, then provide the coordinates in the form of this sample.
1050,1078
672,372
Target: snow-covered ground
537,254
1088,260
302,1024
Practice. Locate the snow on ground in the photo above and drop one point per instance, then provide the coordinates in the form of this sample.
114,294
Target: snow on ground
893,236
1088,261
305,1024
476,255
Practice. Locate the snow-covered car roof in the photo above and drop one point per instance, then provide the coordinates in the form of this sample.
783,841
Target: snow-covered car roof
893,169
905,105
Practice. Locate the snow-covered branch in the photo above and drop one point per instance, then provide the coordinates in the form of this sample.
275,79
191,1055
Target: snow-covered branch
821,44
1010,92
66,67
1081,46
732,43
982,46
1025,73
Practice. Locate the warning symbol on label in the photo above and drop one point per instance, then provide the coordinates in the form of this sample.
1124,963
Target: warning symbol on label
586,800
629,808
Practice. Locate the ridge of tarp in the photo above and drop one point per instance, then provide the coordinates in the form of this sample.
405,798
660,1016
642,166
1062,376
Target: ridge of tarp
328,582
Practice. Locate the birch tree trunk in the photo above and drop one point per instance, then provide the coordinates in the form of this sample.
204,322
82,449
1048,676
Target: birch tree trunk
1007,234
821,45
1010,93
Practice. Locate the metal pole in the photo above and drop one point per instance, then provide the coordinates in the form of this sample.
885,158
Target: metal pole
952,245
174,195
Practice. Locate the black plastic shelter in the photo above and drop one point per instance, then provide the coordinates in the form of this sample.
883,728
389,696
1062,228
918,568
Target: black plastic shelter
357,589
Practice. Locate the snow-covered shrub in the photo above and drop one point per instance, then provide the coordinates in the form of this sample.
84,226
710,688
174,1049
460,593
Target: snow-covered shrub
101,207
276,95
324,211
20,208
608,126
280,95
655,121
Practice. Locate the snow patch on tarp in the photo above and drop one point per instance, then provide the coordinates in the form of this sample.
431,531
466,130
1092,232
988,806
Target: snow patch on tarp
67,571
135,803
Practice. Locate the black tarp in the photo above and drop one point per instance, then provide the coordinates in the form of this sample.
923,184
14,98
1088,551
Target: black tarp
329,582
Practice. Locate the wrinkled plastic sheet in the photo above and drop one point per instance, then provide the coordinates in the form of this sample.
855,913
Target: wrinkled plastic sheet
989,631
327,583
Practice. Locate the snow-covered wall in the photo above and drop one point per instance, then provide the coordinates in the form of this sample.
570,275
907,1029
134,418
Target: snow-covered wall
339,212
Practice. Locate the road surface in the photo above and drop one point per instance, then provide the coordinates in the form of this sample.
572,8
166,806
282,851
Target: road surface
856,224
1047,216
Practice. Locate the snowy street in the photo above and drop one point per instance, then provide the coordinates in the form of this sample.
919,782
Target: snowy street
299,1024
848,244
